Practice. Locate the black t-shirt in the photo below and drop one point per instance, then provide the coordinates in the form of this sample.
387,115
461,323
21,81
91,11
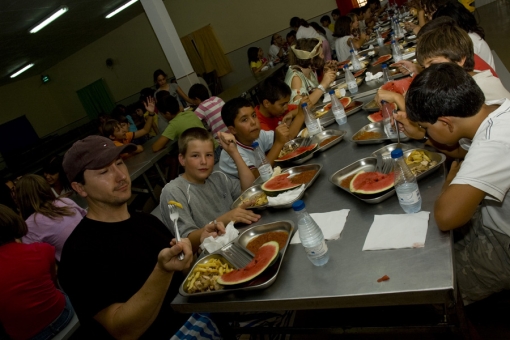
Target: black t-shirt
105,263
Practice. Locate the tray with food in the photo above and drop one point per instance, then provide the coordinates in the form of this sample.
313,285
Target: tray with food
328,138
297,151
371,106
373,133
288,179
341,84
254,197
236,268
361,179
351,179
385,151
382,59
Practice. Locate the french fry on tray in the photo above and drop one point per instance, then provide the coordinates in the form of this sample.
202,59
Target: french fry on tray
204,276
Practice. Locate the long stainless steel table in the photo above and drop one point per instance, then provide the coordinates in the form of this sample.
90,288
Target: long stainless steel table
349,279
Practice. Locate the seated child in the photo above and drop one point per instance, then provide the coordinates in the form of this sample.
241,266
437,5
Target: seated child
178,122
113,130
209,109
275,108
446,43
205,195
241,120
256,59
475,200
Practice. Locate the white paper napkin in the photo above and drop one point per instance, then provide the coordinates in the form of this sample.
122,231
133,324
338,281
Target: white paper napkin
398,231
286,197
327,98
408,55
211,244
369,76
331,223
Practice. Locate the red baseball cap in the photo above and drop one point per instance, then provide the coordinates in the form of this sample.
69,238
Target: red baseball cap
92,153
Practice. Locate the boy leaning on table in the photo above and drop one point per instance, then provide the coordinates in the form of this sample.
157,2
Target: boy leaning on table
447,103
241,120
206,195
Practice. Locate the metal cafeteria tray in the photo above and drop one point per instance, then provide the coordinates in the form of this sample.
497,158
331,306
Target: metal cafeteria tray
377,127
264,280
300,160
341,84
385,151
318,138
256,189
371,106
368,165
434,156
329,118
248,194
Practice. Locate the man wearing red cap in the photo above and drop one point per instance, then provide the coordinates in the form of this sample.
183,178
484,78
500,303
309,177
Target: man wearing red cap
116,266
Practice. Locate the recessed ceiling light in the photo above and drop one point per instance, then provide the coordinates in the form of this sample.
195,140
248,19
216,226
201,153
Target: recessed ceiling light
22,70
121,8
49,19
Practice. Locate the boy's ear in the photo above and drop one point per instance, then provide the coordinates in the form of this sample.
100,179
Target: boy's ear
112,137
447,122
462,61
266,103
232,130
181,159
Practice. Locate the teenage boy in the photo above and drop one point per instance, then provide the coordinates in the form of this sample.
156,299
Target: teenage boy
118,266
326,23
206,195
178,121
275,108
335,14
209,109
475,200
241,120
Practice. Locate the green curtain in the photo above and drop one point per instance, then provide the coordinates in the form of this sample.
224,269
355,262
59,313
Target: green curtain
96,98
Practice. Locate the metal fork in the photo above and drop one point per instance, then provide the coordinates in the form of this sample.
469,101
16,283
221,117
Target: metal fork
174,216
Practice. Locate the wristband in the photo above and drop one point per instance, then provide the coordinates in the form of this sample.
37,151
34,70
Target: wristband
320,87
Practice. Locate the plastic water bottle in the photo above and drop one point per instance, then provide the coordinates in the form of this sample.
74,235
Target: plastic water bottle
387,112
311,123
380,40
338,109
386,73
354,48
356,65
406,185
261,162
311,236
350,80
397,56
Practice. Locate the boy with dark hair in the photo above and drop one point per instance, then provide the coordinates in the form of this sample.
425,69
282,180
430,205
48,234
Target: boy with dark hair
446,102
206,195
208,110
326,22
291,38
335,14
241,120
178,122
275,108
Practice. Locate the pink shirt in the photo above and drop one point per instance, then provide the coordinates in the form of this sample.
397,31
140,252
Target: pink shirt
210,111
54,231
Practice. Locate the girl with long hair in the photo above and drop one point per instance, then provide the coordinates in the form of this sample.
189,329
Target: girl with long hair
49,219
344,28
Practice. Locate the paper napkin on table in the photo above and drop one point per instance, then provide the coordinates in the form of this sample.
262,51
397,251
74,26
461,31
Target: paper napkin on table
211,244
331,223
327,98
369,76
398,231
408,55
285,197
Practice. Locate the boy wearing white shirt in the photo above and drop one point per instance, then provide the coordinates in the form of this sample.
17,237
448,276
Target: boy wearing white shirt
475,200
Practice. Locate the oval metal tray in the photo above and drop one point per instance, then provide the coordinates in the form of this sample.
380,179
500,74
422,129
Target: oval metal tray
377,127
264,280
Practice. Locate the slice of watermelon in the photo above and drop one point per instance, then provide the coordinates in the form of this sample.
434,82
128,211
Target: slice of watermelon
359,73
375,117
368,183
278,184
382,59
345,101
263,259
399,86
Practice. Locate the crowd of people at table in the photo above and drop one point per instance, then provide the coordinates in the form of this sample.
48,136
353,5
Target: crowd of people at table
119,270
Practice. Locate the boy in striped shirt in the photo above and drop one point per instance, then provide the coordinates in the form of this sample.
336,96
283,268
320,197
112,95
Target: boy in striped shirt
209,109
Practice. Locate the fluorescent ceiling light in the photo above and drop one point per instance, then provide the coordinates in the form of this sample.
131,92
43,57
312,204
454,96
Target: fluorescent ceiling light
22,70
121,8
48,20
